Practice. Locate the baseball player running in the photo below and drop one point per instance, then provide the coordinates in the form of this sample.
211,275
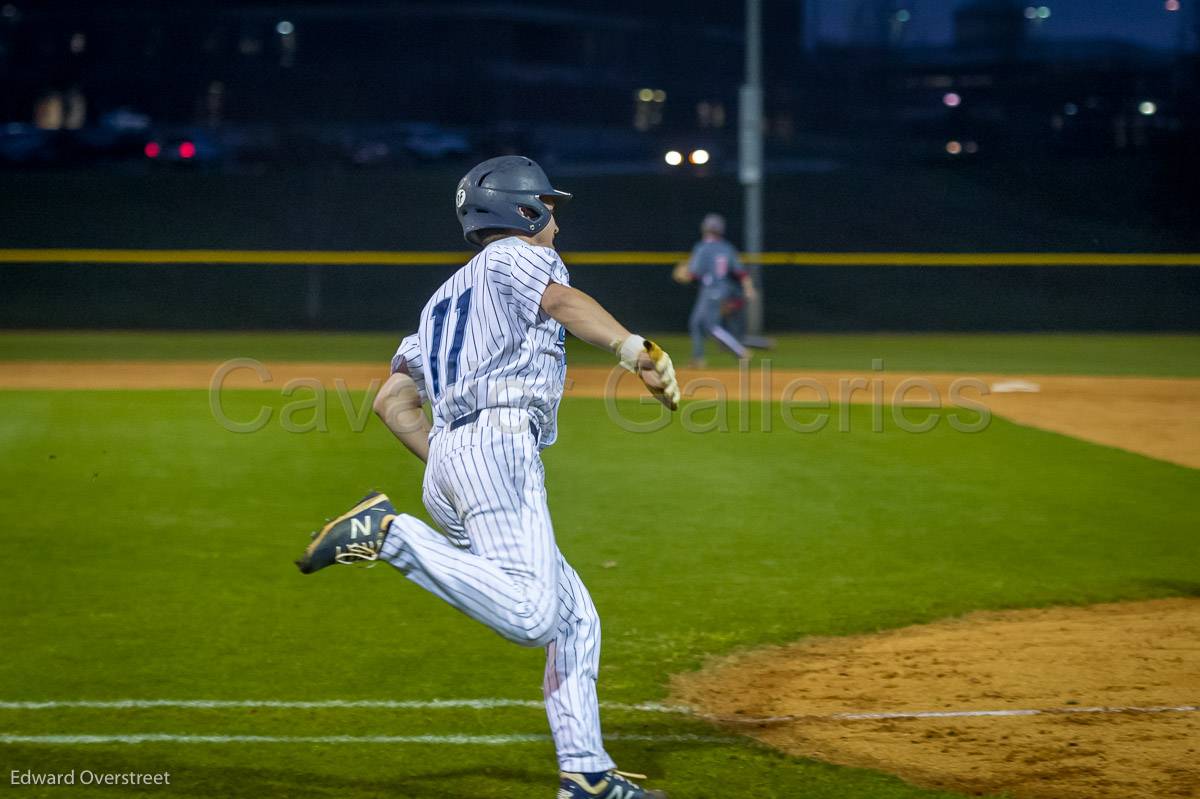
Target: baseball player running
489,356
712,262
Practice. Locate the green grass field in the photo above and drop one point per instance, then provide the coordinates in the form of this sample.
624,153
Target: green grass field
1168,355
147,555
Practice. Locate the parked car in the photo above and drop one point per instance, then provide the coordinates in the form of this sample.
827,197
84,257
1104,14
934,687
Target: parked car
184,146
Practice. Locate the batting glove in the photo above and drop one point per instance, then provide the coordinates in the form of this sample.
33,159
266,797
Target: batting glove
643,357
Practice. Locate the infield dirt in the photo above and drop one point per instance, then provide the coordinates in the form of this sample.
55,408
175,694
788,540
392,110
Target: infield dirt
1158,417
1142,654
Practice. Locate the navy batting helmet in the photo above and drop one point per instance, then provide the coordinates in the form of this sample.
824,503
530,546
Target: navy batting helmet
504,193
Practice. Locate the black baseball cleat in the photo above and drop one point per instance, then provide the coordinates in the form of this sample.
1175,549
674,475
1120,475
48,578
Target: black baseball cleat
354,537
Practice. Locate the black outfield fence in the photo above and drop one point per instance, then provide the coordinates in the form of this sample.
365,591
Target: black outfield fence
984,247
803,291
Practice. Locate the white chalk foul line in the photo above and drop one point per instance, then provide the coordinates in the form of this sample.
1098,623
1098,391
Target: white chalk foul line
1055,711
370,704
942,714
435,740
493,703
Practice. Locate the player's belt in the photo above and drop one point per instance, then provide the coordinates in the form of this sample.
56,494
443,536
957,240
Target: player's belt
473,416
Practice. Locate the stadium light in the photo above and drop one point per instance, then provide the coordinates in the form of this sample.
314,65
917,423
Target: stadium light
699,157
673,157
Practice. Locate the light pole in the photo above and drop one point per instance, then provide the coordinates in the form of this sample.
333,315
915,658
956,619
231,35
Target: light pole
750,155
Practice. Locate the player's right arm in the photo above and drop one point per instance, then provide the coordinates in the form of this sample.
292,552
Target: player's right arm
588,320
399,405
534,281
685,271
400,402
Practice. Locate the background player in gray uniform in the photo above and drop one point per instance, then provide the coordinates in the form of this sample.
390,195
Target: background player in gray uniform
489,356
712,264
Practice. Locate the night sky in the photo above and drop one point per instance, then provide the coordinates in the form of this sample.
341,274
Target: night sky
1143,21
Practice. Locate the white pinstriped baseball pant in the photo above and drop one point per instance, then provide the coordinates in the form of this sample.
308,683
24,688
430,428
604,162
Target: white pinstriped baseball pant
498,563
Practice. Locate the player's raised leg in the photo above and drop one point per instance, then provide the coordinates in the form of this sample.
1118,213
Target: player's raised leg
508,578
521,610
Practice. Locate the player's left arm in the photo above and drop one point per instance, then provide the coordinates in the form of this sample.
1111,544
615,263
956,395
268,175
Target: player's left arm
739,271
588,320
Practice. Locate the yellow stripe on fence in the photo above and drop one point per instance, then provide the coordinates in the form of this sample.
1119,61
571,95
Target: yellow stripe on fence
978,259
284,257
599,258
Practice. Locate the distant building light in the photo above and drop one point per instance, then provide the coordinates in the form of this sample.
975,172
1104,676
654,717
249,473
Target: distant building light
1030,12
1043,12
660,96
1147,108
78,42
285,28
699,157
673,157
1172,5
954,147
187,150
971,147
1070,109
645,95
952,99
903,15
152,149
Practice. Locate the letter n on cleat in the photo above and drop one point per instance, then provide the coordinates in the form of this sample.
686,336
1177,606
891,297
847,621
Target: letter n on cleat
362,525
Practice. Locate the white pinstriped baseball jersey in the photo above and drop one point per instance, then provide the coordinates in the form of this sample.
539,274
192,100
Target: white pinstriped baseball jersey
484,341
486,355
